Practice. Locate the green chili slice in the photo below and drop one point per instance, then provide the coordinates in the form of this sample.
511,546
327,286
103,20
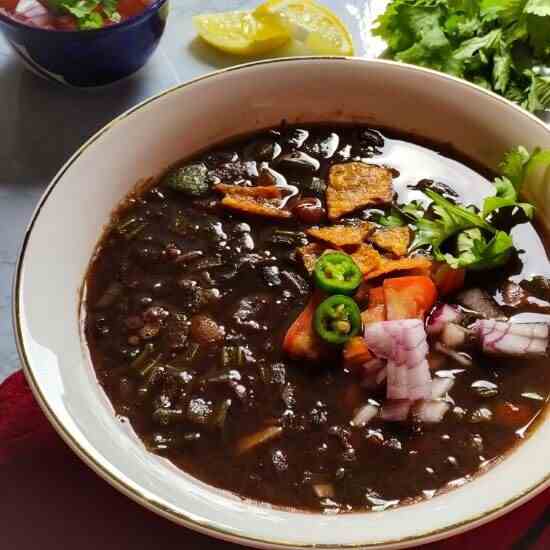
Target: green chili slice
337,319
337,273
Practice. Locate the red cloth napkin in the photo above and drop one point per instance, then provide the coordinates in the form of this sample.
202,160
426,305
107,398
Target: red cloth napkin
50,499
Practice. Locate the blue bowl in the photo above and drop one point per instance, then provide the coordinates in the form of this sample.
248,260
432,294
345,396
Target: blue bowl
88,58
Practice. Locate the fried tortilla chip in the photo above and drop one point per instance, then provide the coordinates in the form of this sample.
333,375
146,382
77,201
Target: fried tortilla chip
366,258
418,264
260,200
395,240
341,235
354,185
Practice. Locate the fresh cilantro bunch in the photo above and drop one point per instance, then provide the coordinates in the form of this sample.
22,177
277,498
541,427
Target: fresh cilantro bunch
89,14
465,237
502,45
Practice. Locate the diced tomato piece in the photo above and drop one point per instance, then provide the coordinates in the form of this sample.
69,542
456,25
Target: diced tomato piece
128,8
376,296
9,5
446,279
408,297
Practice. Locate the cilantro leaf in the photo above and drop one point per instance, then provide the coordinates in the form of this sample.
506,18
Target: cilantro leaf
506,196
464,238
474,45
89,14
451,220
91,21
393,219
110,9
402,215
81,9
497,44
537,7
476,253
519,163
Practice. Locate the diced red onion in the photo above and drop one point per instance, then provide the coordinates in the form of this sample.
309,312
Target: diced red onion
403,343
513,339
430,411
440,316
441,386
34,12
460,357
364,415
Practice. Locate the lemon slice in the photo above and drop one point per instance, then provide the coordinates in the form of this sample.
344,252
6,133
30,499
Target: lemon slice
317,28
241,33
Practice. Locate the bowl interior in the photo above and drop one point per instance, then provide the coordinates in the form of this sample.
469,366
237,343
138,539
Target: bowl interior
176,124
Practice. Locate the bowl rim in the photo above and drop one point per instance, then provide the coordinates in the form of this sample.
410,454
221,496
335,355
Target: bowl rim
211,527
130,21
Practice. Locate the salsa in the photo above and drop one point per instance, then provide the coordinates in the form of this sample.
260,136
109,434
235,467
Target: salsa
311,317
71,15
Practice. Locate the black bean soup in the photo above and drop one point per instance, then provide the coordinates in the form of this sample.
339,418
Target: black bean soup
189,298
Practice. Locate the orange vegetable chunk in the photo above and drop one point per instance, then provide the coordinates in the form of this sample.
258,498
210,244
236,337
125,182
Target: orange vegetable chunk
408,297
301,341
356,352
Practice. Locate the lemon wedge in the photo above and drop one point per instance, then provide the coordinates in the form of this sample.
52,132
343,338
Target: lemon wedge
241,32
314,26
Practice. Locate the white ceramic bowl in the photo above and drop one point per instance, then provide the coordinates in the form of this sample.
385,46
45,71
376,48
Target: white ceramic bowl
141,143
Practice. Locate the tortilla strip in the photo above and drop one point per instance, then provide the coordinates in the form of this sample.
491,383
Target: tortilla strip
354,185
366,258
341,235
259,200
417,263
394,239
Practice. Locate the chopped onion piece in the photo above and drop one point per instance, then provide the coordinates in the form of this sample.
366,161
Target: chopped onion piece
440,316
430,411
403,343
513,339
441,386
35,13
364,415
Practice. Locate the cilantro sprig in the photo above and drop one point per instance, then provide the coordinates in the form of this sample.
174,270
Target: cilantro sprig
465,237
502,45
89,14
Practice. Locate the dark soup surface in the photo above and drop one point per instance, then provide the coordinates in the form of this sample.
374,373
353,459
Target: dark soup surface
330,318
